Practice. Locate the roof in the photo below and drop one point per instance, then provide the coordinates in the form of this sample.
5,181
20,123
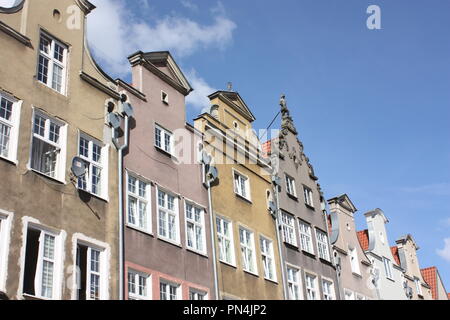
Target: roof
448,296
266,148
344,200
430,277
363,237
394,251
234,100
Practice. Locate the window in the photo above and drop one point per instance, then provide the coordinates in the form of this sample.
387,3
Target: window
268,258
168,225
164,97
9,126
225,240
307,193
288,225
290,186
42,277
52,63
305,237
418,286
163,139
293,279
322,245
197,295
5,227
138,286
138,208
349,295
311,287
92,281
328,290
48,146
354,262
195,228
388,268
95,155
247,250
169,291
241,185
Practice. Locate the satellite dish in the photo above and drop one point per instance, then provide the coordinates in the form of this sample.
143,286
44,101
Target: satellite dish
127,109
78,167
206,159
213,173
272,207
276,181
114,120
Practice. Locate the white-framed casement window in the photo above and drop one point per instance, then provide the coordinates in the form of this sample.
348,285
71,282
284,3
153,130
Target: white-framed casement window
294,285
248,254
95,155
5,229
241,185
42,277
52,63
311,287
48,146
92,280
349,295
164,97
139,285
164,139
322,245
328,290
138,204
168,218
288,226
9,126
268,260
224,229
354,262
290,186
308,195
195,294
388,267
306,237
195,228
169,290
418,286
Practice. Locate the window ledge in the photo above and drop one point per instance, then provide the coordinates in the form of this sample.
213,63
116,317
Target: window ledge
203,254
312,255
46,87
293,197
27,296
94,195
174,243
130,226
290,245
357,275
310,207
43,175
326,261
251,273
243,198
165,152
10,161
390,279
271,280
228,264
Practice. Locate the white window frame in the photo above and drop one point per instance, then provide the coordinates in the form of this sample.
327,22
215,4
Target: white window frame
222,238
308,196
175,213
327,285
170,148
306,242
195,224
195,293
418,286
248,236
61,146
13,123
137,275
52,61
5,236
139,199
322,245
294,282
268,258
291,188
289,228
102,165
237,185
354,260
167,285
57,262
388,268
312,289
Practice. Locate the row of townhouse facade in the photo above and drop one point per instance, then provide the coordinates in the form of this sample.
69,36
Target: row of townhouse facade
107,192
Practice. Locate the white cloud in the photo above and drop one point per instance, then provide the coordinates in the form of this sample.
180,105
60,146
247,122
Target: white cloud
189,5
437,189
114,32
445,253
199,97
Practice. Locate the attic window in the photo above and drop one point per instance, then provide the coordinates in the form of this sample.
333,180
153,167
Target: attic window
164,97
236,125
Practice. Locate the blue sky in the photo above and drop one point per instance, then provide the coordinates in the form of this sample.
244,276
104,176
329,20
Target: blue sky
372,106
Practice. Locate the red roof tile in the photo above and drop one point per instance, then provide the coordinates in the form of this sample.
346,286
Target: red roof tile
363,237
266,148
448,296
394,251
430,277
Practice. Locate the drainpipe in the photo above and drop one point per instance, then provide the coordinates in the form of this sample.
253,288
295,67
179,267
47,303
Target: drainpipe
121,231
333,262
277,226
213,243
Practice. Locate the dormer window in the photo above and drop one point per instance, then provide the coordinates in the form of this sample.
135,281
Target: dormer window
164,97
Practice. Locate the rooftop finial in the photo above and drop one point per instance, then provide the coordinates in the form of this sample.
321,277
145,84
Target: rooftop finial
230,86
286,119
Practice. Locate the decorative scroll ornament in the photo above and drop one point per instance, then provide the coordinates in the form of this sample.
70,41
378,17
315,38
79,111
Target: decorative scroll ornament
286,119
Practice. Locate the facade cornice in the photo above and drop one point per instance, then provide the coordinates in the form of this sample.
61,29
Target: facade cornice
131,89
15,34
97,84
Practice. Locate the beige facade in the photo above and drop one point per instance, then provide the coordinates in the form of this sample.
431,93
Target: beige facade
246,238
58,99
